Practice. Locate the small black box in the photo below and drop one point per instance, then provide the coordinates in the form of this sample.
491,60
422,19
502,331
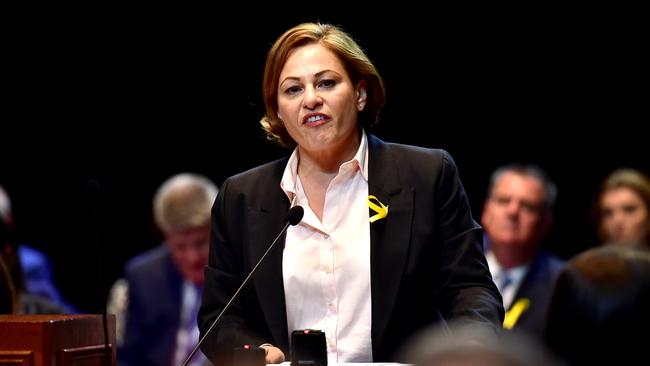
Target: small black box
308,348
249,356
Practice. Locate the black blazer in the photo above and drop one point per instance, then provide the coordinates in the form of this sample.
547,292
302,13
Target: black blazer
426,256
537,287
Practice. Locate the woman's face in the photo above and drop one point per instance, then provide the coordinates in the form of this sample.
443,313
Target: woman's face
624,217
317,101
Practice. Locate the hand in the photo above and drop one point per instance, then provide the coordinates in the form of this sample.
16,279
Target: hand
273,354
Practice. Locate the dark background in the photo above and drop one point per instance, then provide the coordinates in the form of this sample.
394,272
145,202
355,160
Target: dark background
125,98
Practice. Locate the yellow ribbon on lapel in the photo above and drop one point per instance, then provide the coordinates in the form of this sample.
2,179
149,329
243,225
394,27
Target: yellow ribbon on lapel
379,208
512,315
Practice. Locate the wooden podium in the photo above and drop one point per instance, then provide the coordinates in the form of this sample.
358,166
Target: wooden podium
56,340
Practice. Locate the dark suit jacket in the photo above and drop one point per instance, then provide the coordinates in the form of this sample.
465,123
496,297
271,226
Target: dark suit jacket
153,315
538,287
426,255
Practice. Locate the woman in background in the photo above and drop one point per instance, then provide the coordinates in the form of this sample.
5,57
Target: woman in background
622,209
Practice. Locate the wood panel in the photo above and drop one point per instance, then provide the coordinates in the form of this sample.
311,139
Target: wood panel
56,340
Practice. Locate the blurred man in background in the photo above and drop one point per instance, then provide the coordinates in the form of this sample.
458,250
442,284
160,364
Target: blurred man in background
517,216
161,291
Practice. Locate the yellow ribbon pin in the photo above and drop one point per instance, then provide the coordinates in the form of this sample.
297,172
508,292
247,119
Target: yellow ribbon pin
512,315
379,208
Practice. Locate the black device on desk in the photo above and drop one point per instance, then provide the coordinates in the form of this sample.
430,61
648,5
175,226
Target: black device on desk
249,356
308,348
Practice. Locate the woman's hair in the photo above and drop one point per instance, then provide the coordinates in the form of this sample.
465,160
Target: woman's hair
622,178
183,202
600,306
355,61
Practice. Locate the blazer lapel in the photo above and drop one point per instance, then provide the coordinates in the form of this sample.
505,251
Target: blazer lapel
266,223
389,237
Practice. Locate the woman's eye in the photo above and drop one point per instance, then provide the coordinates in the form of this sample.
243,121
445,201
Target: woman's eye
629,209
293,90
327,83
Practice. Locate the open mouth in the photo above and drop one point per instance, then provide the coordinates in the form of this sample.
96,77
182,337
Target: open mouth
315,119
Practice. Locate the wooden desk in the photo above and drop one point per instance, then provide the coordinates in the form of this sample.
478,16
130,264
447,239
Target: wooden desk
56,340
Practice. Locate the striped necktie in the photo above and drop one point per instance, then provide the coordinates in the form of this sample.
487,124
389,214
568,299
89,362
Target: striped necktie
504,281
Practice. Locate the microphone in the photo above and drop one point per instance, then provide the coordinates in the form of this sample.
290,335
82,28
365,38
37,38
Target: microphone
294,216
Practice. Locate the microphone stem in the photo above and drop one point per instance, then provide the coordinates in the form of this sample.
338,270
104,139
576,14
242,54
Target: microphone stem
232,299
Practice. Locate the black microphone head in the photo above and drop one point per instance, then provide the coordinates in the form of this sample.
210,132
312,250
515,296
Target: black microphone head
295,215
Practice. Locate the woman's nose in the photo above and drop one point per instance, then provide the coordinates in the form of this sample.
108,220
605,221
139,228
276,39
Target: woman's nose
312,98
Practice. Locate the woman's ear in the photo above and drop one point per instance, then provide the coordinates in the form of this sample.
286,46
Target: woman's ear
361,96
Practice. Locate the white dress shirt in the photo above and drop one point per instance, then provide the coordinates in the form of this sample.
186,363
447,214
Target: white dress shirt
187,335
516,276
326,265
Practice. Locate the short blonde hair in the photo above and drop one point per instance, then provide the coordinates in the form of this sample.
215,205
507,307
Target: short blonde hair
5,205
356,63
184,201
